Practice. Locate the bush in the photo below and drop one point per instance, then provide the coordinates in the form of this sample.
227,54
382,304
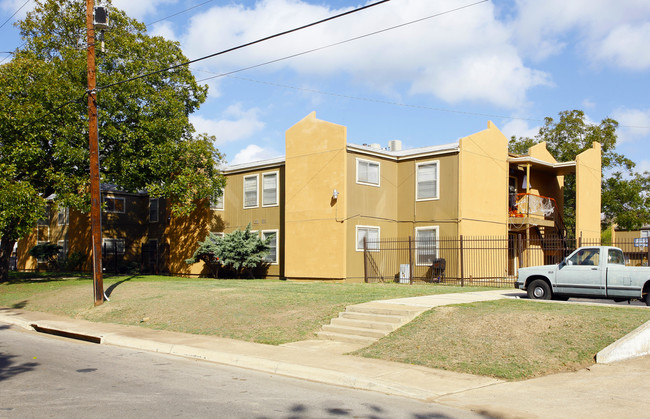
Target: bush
48,253
74,261
242,251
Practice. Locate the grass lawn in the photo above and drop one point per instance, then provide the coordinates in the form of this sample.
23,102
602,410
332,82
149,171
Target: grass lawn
510,339
261,311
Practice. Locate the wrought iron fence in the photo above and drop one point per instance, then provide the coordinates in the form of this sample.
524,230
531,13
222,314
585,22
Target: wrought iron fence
477,261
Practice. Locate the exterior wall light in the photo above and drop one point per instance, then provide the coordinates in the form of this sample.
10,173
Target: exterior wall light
335,194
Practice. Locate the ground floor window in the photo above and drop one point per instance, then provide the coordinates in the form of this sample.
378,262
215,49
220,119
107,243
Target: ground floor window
426,245
370,235
272,257
113,246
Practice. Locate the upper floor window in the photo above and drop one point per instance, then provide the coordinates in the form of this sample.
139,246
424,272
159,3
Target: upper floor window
153,210
427,185
270,189
368,172
63,217
216,203
113,204
367,236
250,191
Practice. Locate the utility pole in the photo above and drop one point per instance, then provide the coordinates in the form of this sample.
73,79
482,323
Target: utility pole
93,134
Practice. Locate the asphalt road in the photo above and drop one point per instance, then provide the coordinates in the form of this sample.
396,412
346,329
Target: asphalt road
45,376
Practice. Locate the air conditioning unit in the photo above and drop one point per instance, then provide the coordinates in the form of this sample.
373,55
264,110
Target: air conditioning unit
100,18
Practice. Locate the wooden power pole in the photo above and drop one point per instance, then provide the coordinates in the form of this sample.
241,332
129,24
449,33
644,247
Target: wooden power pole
93,134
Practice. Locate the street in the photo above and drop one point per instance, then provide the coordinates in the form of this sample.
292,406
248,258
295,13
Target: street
46,376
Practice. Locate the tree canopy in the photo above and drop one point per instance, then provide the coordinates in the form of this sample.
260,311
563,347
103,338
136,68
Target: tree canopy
569,136
145,138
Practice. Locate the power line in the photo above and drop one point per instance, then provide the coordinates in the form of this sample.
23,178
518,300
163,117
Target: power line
15,13
247,44
343,42
178,13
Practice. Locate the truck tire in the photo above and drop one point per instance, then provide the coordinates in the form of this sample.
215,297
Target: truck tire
539,290
647,299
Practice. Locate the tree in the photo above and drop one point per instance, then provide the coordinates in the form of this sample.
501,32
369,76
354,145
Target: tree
146,139
240,250
626,202
570,136
48,253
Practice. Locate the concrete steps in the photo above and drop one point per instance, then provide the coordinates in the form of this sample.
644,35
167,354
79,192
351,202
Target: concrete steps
366,323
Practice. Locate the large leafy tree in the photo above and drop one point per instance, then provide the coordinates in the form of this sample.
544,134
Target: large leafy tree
146,139
572,134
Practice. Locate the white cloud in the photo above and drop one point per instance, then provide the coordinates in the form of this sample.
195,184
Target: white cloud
164,29
519,128
643,166
467,55
254,153
634,124
235,124
615,34
15,6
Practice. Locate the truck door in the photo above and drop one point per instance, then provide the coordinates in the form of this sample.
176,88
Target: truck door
582,274
619,279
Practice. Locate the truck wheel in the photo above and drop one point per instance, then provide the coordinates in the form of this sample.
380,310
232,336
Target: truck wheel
539,290
647,299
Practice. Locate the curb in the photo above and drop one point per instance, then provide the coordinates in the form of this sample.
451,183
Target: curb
634,344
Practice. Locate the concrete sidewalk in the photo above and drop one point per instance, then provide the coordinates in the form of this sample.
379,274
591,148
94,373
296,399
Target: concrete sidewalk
599,391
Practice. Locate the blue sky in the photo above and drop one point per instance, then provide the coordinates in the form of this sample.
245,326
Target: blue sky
510,61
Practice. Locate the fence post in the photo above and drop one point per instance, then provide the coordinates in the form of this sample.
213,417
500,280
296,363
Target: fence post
462,270
580,240
365,259
519,251
410,262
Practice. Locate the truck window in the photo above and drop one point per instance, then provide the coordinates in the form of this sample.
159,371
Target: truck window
585,257
615,257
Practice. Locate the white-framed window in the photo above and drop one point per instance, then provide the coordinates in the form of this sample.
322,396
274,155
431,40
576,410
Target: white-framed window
63,250
216,202
113,246
427,185
426,245
63,217
368,172
270,182
272,257
250,191
153,210
114,204
218,233
370,234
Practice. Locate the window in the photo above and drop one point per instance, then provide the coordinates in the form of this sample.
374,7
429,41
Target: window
585,257
63,250
219,234
113,246
370,235
153,210
112,204
270,189
250,191
216,202
427,186
368,172
615,257
272,257
63,217
426,245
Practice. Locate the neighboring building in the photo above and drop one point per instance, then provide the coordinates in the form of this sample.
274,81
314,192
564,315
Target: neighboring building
326,195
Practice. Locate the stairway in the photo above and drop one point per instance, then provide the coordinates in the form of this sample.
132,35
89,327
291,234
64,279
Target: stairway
364,324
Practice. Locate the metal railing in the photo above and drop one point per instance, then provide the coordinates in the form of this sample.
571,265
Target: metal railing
477,261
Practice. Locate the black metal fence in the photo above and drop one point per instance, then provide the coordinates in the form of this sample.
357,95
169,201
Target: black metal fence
137,258
487,261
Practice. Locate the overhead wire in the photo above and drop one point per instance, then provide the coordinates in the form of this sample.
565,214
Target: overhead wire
178,13
15,13
187,63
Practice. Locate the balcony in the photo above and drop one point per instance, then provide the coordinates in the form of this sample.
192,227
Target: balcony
527,209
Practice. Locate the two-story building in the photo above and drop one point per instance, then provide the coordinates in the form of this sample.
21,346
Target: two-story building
327,200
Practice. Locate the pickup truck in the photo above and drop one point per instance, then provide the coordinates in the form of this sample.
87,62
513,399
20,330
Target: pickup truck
592,272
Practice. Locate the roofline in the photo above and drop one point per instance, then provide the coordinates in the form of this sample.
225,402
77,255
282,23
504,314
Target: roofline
565,167
256,165
411,153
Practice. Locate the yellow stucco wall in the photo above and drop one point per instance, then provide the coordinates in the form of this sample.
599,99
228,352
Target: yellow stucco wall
315,165
483,183
588,189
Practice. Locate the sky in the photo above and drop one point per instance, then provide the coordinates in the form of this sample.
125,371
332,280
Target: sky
425,72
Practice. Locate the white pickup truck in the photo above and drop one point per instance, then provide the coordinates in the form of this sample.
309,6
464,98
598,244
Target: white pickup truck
592,272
